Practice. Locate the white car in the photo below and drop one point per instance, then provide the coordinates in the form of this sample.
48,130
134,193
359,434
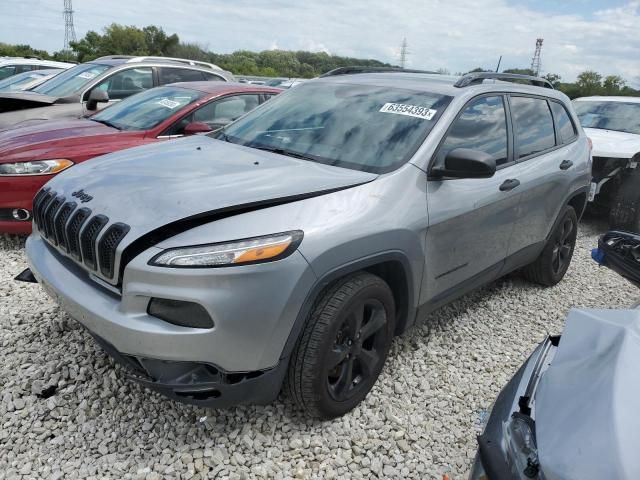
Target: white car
613,125
10,66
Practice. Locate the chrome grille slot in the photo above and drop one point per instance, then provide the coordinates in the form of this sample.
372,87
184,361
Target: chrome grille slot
60,221
37,201
42,207
108,245
73,232
88,237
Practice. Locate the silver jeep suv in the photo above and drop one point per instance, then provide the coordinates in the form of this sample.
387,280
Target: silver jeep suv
290,247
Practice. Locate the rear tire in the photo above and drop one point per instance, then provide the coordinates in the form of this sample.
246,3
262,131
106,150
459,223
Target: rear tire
343,346
552,264
625,207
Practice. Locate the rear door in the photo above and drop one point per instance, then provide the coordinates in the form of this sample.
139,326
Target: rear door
543,152
471,220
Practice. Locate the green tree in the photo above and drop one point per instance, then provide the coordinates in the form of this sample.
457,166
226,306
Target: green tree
554,79
613,84
589,83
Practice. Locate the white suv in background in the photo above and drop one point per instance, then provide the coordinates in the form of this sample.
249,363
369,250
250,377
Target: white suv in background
10,66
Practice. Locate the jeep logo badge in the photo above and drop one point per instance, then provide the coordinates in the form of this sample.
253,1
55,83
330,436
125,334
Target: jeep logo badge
82,196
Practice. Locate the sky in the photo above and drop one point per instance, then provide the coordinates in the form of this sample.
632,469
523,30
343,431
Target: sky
456,35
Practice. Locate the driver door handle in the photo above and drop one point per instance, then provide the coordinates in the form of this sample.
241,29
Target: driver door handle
509,185
566,165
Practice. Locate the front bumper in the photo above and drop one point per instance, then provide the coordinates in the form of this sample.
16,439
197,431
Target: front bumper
18,192
253,307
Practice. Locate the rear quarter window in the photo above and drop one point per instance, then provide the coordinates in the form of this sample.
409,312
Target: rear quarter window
565,128
533,125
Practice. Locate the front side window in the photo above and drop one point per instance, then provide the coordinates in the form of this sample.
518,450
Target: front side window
607,115
533,125
71,81
481,126
362,127
147,109
127,82
565,128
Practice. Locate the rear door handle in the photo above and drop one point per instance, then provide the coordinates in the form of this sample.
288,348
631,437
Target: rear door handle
566,165
509,185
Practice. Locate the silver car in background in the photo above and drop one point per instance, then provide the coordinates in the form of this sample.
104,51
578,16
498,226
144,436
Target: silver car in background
292,245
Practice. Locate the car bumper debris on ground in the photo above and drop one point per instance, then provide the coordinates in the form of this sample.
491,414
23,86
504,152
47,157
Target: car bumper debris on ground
69,411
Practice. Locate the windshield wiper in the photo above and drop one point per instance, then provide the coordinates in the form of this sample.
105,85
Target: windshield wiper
107,123
283,151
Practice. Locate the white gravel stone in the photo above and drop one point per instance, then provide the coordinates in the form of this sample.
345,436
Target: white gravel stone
420,420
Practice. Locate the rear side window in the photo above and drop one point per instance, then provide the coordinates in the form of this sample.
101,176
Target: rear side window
565,128
533,125
173,75
481,126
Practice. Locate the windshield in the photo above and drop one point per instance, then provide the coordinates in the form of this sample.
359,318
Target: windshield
17,81
146,109
362,127
618,116
71,81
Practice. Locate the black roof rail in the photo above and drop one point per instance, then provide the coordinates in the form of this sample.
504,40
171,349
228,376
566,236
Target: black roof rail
354,70
476,78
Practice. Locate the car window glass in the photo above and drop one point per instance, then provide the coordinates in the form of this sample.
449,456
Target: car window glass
7,71
71,81
608,115
533,125
564,126
173,75
481,126
362,127
147,109
212,77
24,68
127,82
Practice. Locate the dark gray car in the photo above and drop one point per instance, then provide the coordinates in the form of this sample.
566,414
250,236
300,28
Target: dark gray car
84,88
297,241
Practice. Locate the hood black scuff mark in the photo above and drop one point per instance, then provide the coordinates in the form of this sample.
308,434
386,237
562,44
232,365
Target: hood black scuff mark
172,229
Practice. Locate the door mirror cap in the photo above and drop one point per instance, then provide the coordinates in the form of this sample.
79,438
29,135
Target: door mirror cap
96,96
467,163
196,127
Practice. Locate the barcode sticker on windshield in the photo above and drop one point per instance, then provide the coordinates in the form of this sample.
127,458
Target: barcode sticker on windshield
87,75
165,102
409,110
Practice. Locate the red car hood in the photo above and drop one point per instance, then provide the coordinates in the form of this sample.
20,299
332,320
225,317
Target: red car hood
76,139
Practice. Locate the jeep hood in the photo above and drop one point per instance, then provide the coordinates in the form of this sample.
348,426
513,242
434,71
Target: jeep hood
612,144
193,179
587,422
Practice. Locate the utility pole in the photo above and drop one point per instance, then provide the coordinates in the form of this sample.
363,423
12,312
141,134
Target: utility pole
536,61
69,30
404,52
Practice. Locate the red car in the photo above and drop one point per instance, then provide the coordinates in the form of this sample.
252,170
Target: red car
31,153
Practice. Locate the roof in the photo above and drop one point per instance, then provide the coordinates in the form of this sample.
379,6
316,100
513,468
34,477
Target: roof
608,99
439,84
224,88
33,61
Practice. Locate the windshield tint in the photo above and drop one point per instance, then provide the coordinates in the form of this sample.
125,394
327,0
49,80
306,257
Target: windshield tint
147,109
619,116
370,128
71,81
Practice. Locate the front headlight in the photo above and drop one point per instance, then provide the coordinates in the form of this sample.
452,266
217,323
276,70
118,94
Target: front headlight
239,252
520,441
36,167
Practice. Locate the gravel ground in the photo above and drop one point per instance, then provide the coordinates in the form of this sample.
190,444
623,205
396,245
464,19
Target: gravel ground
67,411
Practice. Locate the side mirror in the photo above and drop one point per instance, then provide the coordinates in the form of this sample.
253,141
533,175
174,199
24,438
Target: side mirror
467,163
96,96
196,127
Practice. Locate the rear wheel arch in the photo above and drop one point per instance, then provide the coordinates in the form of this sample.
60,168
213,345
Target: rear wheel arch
579,203
393,267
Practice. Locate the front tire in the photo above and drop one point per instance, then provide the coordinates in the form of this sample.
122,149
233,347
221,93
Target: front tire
343,346
552,264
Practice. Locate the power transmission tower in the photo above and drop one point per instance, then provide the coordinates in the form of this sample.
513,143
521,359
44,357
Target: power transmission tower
69,30
536,62
404,52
